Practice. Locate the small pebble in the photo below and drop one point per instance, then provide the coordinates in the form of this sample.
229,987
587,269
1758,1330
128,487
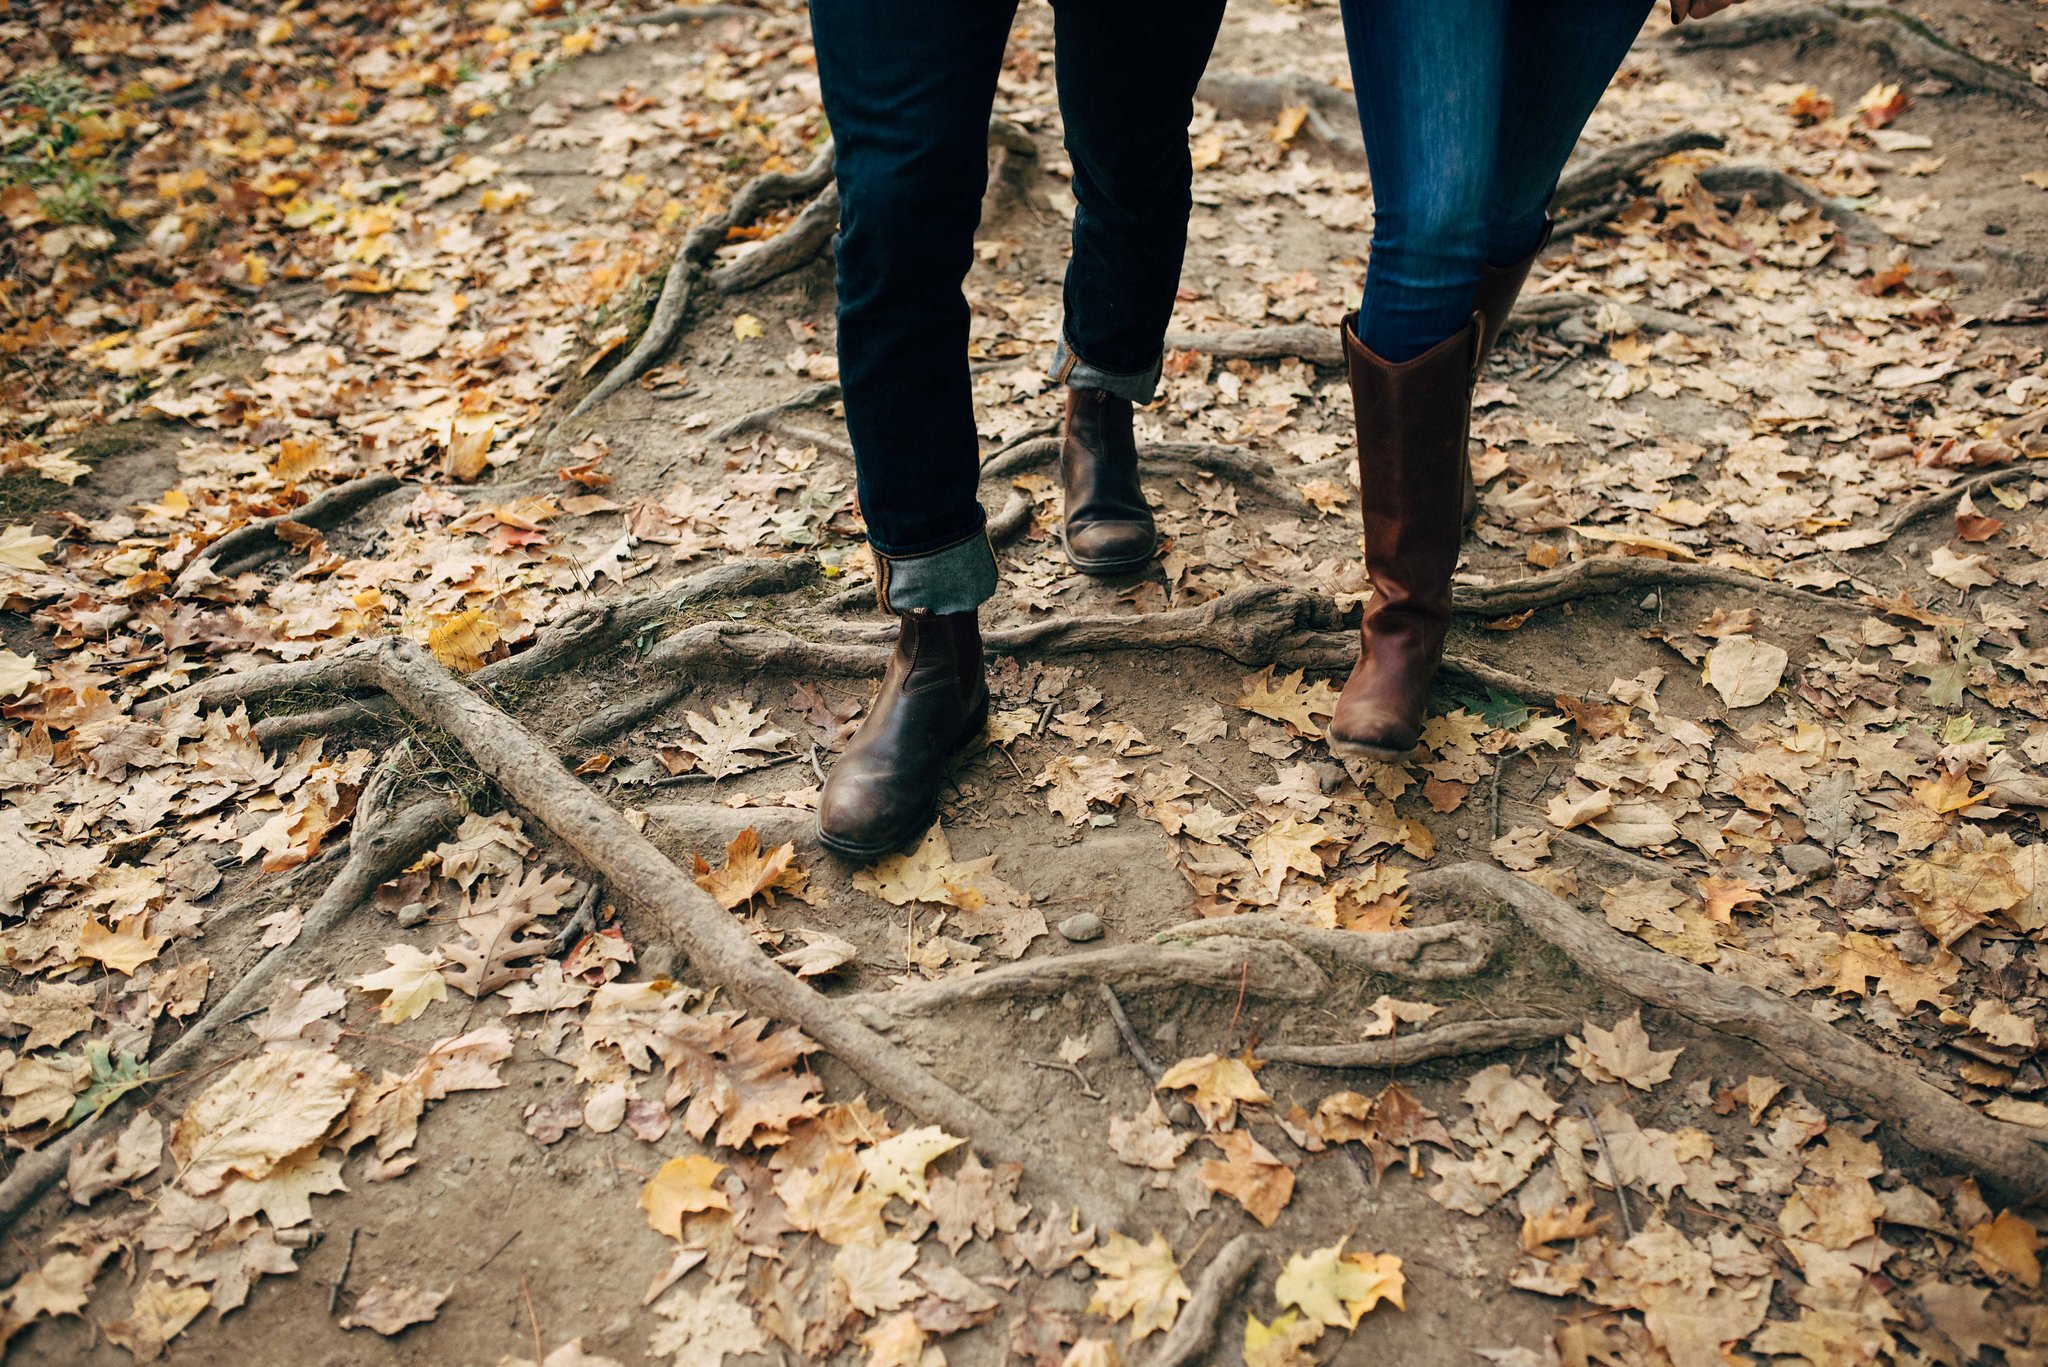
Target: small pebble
1181,1114
412,914
1082,925
1808,861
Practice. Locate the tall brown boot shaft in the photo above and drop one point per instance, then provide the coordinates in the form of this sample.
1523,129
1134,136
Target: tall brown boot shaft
1413,421
1494,299
1109,528
933,702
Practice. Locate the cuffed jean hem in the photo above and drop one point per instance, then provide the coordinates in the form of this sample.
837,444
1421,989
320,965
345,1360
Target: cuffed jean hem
956,578
1069,369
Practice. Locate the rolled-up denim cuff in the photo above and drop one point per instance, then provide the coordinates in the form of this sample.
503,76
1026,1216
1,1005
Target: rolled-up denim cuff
1069,369
956,578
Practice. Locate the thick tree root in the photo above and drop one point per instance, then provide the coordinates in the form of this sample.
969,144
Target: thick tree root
1331,121
666,905
1618,574
258,543
1594,176
699,244
1194,1334
1457,1040
1770,186
1902,41
373,857
1261,956
1885,1088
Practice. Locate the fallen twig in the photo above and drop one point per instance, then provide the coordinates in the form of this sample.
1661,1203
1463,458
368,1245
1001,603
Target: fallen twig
1443,1041
1146,1064
1943,500
1885,1088
1628,1223
1194,1333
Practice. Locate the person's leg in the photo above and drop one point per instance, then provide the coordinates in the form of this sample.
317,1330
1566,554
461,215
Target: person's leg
1560,57
1427,75
1127,72
908,86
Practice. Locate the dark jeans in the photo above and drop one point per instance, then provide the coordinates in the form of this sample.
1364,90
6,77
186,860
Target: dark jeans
908,86
1470,109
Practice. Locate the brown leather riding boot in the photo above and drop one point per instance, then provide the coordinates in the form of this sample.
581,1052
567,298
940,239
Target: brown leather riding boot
1413,421
1109,528
933,703
1494,299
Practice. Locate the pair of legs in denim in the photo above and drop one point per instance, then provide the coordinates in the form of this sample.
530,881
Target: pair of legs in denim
908,86
1470,109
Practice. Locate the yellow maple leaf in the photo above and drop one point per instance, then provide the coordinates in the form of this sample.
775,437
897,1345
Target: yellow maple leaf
462,640
1281,1343
1286,700
124,948
748,872
1337,1288
928,873
1220,1084
679,1187
18,674
412,982
895,1167
23,549
1139,1280
2011,1246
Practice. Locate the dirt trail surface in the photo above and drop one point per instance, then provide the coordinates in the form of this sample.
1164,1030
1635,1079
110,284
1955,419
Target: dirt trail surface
431,592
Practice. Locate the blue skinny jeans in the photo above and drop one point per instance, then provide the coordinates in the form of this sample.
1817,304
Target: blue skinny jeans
1470,109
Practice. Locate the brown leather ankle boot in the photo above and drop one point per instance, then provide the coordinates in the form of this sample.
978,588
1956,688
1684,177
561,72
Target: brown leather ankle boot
1494,299
1109,528
1413,420
933,703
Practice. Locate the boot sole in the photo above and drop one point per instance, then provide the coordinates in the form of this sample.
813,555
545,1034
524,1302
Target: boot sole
901,840
1351,749
1104,569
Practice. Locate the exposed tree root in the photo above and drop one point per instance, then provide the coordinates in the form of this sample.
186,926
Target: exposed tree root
1194,1333
1444,1041
1331,121
698,246
1261,956
1617,574
1594,176
1945,500
1897,38
373,856
1147,1065
803,239
1769,185
1885,1088
1323,347
594,629
258,543
762,419
666,905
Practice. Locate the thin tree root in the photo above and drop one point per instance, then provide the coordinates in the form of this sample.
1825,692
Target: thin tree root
697,248
1607,574
1894,36
596,628
258,543
1885,1088
664,904
373,857
1944,500
1456,1040
803,239
1194,1333
1437,953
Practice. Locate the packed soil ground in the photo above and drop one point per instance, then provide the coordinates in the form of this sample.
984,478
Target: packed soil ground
1778,382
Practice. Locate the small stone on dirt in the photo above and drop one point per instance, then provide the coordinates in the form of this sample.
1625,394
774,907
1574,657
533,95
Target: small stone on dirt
1081,926
1808,861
